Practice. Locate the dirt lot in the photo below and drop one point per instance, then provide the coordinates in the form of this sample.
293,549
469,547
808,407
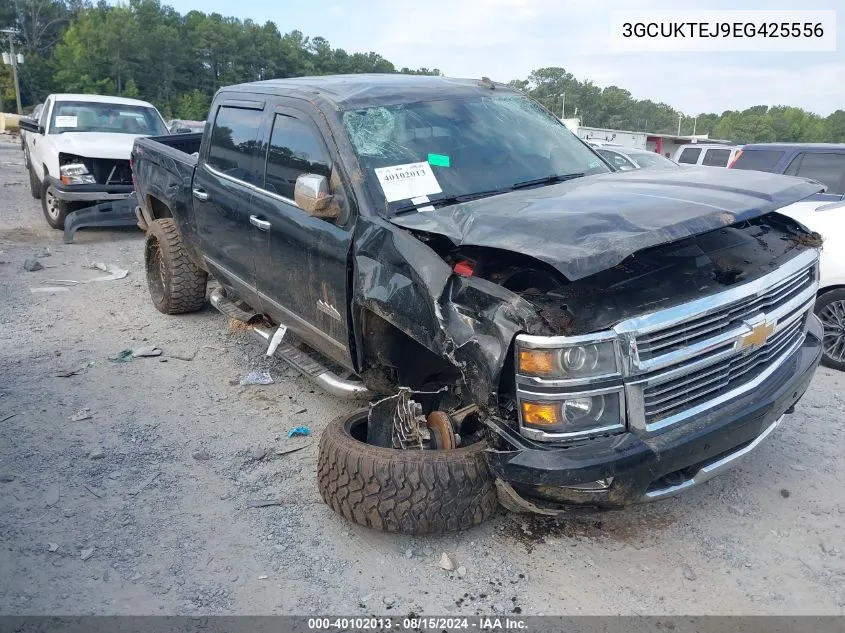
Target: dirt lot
154,489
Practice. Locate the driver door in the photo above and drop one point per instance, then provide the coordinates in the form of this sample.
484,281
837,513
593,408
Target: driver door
301,261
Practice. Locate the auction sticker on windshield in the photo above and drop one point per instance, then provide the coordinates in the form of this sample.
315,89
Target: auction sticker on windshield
65,121
402,182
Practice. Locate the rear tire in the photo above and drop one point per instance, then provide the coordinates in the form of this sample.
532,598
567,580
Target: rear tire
34,185
55,211
176,284
830,308
405,491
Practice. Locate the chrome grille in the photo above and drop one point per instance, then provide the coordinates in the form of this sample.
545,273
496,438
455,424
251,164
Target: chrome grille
667,398
663,341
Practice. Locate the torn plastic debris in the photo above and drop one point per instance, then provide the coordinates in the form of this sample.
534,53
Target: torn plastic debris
50,289
276,340
126,355
123,356
299,431
146,351
113,271
257,378
82,414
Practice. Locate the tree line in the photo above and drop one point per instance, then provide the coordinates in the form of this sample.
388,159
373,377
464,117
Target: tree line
148,50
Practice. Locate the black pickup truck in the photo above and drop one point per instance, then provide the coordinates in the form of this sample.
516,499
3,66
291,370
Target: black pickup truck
530,327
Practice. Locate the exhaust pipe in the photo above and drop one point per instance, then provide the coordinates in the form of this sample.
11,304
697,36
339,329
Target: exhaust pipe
299,360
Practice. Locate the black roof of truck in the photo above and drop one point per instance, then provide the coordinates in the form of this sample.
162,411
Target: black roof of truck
348,92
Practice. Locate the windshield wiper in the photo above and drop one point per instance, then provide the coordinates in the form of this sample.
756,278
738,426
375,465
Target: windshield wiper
466,197
548,180
440,202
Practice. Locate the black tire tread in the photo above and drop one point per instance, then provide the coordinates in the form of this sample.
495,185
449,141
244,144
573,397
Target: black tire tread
185,283
34,184
408,492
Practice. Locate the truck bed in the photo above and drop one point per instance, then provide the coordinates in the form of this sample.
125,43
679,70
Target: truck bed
163,168
187,143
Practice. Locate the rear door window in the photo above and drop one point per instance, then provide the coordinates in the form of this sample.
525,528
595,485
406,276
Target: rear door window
716,157
827,168
758,159
234,143
295,149
690,155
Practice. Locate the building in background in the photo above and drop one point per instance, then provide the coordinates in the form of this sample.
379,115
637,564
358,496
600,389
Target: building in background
664,144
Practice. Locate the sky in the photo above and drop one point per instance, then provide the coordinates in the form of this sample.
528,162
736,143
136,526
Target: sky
507,39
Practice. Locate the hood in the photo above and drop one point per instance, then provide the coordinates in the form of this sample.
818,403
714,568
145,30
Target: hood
590,224
97,144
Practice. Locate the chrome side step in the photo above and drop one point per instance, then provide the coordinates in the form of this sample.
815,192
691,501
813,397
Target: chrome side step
296,358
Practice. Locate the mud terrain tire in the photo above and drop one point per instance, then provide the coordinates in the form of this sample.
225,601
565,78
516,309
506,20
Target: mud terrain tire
176,284
409,492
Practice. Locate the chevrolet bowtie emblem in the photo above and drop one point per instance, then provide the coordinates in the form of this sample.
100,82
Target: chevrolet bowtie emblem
759,334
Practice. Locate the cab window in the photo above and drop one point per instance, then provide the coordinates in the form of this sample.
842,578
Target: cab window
234,146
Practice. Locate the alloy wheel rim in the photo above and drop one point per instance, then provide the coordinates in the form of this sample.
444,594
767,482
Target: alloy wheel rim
832,317
52,205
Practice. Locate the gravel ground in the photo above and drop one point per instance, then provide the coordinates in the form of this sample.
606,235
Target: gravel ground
144,507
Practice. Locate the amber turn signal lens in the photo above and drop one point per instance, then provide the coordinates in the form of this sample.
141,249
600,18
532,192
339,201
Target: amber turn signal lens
536,362
538,414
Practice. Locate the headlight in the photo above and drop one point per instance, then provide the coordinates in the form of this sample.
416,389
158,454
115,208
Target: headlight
581,413
569,387
575,361
76,174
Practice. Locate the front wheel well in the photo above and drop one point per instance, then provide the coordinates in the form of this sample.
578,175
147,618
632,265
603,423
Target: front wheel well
826,289
392,359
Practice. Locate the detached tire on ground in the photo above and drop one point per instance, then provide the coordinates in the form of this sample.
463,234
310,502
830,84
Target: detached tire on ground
410,492
176,284
830,308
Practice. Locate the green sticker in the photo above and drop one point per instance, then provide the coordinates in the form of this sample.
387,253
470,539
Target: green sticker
438,160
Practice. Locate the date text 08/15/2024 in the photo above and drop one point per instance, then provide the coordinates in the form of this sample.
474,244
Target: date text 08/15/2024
481,623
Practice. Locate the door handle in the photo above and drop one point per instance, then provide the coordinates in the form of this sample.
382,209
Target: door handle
200,195
263,225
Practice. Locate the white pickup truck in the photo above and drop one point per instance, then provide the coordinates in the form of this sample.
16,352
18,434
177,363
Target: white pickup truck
77,151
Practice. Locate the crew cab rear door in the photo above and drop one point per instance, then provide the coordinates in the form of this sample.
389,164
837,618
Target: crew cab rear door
227,172
301,261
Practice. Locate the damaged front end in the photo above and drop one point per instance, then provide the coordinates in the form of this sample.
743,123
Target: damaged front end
580,383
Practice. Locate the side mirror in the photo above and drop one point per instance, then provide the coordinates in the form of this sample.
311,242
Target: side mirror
311,194
30,125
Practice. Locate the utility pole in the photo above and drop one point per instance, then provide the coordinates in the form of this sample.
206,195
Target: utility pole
694,121
680,118
563,105
11,33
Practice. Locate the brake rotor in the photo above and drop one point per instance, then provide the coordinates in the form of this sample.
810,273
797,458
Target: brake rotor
442,432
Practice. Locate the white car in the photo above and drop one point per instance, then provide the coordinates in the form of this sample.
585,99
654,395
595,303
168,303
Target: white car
828,220
627,158
78,150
